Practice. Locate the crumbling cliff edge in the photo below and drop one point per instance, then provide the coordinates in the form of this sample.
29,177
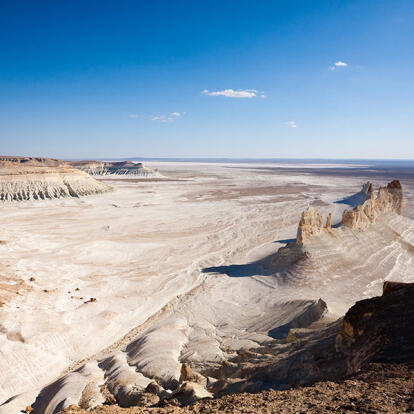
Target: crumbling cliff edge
388,199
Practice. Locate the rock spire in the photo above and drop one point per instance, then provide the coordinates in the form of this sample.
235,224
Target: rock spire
389,199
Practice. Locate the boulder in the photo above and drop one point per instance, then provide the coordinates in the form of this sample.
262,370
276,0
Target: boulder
190,392
188,374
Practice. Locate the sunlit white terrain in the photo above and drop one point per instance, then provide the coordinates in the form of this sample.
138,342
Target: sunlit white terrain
123,287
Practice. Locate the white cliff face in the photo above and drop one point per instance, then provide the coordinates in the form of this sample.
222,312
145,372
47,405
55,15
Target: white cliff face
44,179
124,168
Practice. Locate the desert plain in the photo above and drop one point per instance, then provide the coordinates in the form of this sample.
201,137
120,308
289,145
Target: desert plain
121,289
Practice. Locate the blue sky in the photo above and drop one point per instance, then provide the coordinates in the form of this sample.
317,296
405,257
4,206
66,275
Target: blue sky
125,78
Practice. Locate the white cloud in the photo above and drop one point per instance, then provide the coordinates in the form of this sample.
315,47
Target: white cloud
292,124
167,118
231,93
133,116
161,118
338,65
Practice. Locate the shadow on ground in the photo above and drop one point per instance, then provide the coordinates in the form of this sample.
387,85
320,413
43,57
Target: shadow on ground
353,200
258,268
278,262
285,241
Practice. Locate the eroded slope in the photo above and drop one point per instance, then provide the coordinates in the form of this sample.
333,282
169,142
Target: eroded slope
26,178
248,327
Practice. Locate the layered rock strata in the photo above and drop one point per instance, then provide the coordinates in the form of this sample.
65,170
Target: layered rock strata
388,199
26,178
128,168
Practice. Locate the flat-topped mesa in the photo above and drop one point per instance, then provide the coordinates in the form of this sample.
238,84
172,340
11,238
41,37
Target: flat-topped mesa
115,168
389,199
11,161
26,178
90,167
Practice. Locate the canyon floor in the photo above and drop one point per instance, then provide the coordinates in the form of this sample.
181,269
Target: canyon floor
123,287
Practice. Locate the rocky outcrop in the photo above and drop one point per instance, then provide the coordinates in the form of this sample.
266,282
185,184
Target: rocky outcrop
188,374
389,199
128,168
310,224
26,178
91,167
328,224
379,329
373,330
378,388
374,337
190,392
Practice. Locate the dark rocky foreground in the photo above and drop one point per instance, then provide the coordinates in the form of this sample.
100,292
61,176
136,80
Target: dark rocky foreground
374,374
378,388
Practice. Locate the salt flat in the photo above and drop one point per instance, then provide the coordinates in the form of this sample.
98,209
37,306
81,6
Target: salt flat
125,286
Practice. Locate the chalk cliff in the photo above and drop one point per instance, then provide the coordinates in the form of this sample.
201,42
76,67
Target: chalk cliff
127,168
27,178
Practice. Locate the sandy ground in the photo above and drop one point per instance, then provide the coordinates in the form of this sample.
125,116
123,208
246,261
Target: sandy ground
160,272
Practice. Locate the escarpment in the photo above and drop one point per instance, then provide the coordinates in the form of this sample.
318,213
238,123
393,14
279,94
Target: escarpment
380,329
27,178
127,168
372,331
388,199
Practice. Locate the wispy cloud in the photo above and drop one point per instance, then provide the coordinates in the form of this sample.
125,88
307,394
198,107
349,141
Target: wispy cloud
291,124
167,118
338,65
160,118
133,116
239,93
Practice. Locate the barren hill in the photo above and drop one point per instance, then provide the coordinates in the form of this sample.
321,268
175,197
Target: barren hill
27,178
126,168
